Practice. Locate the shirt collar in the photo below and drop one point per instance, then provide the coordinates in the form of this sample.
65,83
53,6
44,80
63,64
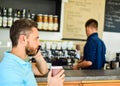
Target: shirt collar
94,34
14,57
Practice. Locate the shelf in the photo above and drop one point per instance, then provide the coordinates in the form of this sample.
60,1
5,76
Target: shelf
49,7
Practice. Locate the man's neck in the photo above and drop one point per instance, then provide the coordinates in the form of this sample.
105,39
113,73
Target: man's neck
20,53
92,33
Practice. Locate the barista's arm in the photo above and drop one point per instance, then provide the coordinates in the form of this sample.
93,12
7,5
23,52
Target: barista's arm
83,64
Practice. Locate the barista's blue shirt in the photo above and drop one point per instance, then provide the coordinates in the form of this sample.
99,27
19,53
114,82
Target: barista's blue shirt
16,72
94,51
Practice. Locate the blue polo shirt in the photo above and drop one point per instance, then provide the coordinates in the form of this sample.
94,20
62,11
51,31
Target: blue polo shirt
16,72
94,51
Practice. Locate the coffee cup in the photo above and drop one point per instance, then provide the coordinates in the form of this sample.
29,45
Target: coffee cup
56,70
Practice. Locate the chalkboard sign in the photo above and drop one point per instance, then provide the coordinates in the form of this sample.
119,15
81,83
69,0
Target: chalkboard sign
112,16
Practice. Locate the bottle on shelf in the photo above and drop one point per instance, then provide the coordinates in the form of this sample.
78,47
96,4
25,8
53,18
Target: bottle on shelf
28,15
10,18
18,14
4,19
15,17
33,16
0,17
23,13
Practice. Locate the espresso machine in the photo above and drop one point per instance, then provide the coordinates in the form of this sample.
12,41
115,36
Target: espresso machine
58,55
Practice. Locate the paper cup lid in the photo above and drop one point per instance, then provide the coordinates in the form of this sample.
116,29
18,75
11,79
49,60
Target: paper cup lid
56,67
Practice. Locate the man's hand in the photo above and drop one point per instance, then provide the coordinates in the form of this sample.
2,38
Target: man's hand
75,67
56,80
79,61
38,55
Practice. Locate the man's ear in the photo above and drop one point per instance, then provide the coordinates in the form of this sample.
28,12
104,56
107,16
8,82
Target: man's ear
23,39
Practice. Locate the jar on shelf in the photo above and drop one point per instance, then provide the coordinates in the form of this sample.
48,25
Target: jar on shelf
39,21
50,22
45,22
55,23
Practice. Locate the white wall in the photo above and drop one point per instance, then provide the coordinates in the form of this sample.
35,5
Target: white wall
112,41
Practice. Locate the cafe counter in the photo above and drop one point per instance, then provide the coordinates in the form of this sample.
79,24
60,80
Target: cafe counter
87,78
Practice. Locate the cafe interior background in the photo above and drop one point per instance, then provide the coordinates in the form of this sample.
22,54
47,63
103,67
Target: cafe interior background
86,9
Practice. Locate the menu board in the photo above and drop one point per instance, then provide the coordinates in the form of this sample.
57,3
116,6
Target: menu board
77,12
112,16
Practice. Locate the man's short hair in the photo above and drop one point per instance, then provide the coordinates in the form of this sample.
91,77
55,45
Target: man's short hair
21,27
92,23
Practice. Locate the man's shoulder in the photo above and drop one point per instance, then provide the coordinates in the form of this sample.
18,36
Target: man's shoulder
96,39
9,67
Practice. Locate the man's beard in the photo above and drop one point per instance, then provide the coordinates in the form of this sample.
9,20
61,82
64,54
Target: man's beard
30,51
